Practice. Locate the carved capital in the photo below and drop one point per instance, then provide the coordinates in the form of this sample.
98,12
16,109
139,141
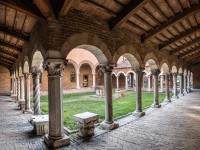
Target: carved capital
26,75
54,66
137,69
174,74
106,68
35,72
155,72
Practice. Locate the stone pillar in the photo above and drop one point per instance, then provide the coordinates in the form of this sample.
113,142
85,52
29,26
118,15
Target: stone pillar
27,92
93,79
36,89
149,83
21,88
167,98
126,82
77,80
155,73
56,137
117,77
138,85
181,85
108,123
185,83
161,83
15,87
188,84
175,86
18,89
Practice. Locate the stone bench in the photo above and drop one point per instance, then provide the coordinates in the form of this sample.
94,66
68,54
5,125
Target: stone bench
85,122
40,124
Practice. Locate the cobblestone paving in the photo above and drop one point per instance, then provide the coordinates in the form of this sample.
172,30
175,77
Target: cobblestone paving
174,126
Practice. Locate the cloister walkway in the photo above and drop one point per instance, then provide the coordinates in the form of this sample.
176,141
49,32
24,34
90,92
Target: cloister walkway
174,126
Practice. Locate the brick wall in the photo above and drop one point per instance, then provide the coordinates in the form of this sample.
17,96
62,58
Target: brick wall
5,81
196,74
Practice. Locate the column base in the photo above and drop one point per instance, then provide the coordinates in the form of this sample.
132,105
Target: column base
107,126
57,143
28,111
167,100
155,106
138,114
175,97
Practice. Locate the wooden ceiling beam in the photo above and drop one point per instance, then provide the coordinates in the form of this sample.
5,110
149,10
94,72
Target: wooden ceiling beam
179,37
2,55
8,66
24,6
6,60
63,7
184,46
170,22
8,53
6,44
188,52
128,10
14,33
193,56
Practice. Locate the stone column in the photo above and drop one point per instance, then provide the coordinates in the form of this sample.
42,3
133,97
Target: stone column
11,87
27,92
77,80
175,86
185,83
15,86
155,73
93,79
36,89
21,88
161,83
18,89
108,123
126,82
117,77
138,85
56,137
188,84
149,83
181,85
167,98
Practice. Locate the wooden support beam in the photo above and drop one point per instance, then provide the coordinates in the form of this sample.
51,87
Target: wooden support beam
171,22
122,17
7,58
193,56
188,52
24,6
184,46
63,7
4,59
8,66
6,44
8,53
12,32
179,37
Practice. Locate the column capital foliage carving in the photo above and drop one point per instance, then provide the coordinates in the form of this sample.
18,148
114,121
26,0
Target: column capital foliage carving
137,69
155,71
35,72
106,67
54,66
26,75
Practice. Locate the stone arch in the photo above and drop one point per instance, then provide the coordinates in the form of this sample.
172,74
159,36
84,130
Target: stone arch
20,70
174,69
37,60
180,70
74,64
164,68
86,62
144,71
164,61
88,42
185,72
26,67
151,64
113,73
121,73
130,53
152,59
130,71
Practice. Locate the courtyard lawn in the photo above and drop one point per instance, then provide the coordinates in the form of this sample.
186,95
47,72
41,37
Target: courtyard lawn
83,102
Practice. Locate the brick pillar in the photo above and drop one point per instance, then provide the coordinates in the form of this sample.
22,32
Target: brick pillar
56,137
108,123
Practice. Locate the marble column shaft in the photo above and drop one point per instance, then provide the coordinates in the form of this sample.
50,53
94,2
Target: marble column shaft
161,83
185,83
149,83
126,82
181,84
21,88
175,85
77,80
93,79
117,77
167,98
188,84
27,91
18,89
155,73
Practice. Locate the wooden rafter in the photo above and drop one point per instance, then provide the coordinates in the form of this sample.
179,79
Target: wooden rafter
123,16
24,6
6,44
14,33
63,7
8,66
179,37
193,56
190,51
5,59
184,46
8,53
170,22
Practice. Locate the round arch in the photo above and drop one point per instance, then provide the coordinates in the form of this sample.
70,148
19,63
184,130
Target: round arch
121,73
130,53
26,67
154,61
113,73
174,69
164,68
180,70
88,42
73,63
151,64
37,60
185,72
86,62
130,71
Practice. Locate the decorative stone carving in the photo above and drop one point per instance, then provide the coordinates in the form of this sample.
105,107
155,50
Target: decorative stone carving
85,122
40,124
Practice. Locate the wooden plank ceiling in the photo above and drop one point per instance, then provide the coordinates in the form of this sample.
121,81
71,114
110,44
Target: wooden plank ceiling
172,24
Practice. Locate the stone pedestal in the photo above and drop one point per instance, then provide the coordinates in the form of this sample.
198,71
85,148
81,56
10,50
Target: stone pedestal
40,124
85,122
21,104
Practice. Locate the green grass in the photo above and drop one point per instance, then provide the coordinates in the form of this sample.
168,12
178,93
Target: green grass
83,102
